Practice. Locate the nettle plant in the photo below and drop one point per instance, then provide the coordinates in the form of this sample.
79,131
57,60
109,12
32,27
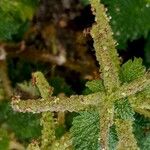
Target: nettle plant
106,113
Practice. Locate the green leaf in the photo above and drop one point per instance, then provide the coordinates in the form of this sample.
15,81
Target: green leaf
130,19
13,14
123,109
142,131
8,26
85,132
27,87
146,142
132,70
26,126
19,9
95,86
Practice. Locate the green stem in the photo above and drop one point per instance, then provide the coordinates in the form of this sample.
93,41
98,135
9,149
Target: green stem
106,121
132,88
126,138
104,45
73,103
47,121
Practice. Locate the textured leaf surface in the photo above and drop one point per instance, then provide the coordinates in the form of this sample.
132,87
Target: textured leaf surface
146,142
142,131
13,14
26,126
123,109
8,26
132,70
85,132
95,85
130,19
27,87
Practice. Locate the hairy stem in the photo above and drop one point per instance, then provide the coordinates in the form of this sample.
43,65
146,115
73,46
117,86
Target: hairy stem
104,45
73,103
126,138
47,121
